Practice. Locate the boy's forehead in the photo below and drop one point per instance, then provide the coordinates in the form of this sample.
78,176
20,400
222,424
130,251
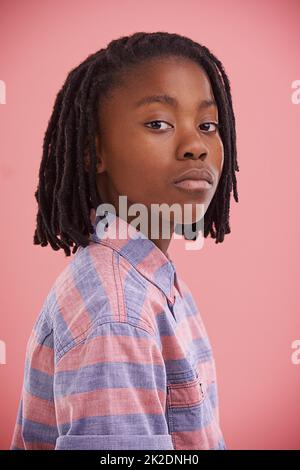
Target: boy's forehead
184,80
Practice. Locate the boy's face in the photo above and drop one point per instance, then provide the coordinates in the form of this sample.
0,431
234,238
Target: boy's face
141,160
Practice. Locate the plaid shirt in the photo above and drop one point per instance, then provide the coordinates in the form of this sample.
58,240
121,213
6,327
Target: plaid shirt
118,357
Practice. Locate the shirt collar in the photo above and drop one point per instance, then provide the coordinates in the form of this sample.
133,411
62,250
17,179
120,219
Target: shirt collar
141,252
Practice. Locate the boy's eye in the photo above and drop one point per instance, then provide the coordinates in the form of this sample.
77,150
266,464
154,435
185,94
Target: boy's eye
215,124
151,122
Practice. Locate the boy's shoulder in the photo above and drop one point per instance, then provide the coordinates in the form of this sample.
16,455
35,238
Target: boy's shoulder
90,292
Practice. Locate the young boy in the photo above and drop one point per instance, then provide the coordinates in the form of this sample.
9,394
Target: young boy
119,357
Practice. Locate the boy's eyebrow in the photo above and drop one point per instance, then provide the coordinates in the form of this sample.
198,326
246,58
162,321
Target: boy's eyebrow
171,101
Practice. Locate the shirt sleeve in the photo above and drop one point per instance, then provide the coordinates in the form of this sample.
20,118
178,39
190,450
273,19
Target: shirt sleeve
35,427
106,392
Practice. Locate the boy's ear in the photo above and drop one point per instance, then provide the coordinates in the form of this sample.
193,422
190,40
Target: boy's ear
100,163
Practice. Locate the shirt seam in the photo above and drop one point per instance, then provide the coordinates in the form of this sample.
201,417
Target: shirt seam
126,309
64,350
119,286
111,245
56,341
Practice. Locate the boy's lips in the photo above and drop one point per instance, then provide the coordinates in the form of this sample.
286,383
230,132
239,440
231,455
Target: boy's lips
195,179
196,174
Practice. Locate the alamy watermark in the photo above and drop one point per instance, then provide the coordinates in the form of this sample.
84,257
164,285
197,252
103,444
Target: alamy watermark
164,221
295,357
2,352
2,92
295,97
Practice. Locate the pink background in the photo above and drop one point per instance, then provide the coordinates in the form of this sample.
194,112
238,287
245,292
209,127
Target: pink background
247,287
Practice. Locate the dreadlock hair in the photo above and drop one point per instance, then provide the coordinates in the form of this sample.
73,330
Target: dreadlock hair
66,192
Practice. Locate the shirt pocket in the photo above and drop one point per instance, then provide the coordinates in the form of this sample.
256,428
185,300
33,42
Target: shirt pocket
191,420
185,394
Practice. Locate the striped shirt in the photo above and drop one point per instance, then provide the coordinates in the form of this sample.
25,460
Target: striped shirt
118,357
